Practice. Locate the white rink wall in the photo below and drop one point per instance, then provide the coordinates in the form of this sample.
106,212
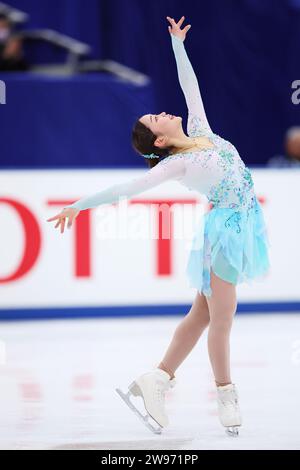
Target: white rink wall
112,256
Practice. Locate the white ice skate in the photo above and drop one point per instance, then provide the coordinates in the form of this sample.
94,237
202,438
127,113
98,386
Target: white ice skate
151,387
228,408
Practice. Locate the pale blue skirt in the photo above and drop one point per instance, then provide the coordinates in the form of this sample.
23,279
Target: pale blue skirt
233,243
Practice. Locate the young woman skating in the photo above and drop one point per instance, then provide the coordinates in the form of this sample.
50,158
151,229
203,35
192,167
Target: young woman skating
231,248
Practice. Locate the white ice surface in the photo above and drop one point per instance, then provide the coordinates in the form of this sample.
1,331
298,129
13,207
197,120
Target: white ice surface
57,385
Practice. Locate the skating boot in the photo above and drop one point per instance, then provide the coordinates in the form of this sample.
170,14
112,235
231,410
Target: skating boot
228,409
151,387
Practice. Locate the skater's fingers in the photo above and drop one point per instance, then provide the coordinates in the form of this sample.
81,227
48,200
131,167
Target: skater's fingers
61,218
72,217
71,220
62,225
180,21
175,29
185,30
171,20
63,213
53,218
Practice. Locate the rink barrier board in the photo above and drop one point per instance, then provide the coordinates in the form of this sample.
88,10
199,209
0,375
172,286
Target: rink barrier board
88,290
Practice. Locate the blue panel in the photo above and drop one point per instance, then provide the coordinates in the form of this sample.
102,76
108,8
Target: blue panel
138,311
69,122
245,54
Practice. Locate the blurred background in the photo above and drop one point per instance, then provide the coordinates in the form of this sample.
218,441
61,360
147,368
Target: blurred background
74,77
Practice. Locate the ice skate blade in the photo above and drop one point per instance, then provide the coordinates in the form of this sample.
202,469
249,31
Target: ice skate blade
144,419
232,431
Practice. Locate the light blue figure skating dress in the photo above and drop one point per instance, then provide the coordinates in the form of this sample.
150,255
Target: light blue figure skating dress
232,237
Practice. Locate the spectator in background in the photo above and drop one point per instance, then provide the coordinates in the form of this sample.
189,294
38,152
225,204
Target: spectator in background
292,151
11,48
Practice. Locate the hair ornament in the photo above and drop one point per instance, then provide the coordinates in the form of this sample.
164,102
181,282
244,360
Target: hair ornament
151,155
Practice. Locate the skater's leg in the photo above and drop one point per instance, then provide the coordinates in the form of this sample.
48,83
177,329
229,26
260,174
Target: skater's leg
186,335
222,307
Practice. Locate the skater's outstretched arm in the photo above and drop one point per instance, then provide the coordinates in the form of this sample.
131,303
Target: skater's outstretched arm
187,76
169,168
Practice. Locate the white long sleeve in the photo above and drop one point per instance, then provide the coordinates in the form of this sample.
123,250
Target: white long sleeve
190,88
169,168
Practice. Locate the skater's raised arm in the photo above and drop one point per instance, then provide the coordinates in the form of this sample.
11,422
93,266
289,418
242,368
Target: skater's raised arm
186,75
169,168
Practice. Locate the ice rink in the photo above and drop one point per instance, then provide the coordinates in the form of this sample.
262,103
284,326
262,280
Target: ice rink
59,377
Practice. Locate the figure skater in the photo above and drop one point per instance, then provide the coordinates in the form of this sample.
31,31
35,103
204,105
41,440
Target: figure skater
231,248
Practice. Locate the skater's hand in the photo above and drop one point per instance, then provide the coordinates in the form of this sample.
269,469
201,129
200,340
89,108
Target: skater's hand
175,28
62,216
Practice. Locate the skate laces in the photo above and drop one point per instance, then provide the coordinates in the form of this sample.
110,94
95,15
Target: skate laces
228,398
159,392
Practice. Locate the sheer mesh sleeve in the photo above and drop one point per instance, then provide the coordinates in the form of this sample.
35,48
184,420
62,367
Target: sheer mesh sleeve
169,168
197,120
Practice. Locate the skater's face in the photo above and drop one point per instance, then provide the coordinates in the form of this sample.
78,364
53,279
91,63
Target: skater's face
162,124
